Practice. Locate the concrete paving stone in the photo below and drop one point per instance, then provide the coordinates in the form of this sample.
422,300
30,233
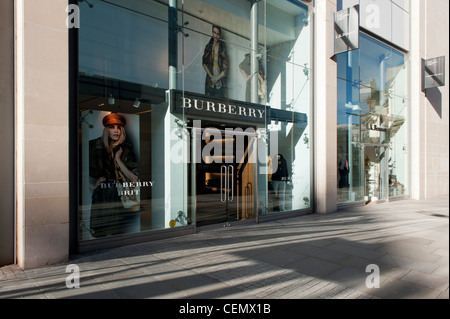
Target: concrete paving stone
195,285
408,245
261,279
400,289
278,257
312,266
434,233
89,289
317,252
349,277
329,291
297,283
287,278
51,283
409,263
367,238
48,281
118,275
174,282
412,253
252,251
442,271
355,295
409,240
211,269
138,288
24,289
161,268
366,296
111,273
427,280
444,295
321,243
309,291
442,252
360,263
7,273
343,294
357,251
96,267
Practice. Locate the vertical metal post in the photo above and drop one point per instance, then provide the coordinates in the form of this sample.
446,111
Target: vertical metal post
254,51
173,44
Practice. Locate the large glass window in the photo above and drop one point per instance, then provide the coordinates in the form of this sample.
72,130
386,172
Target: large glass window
372,123
192,113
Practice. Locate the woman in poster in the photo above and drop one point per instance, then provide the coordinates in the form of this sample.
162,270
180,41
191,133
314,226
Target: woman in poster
112,164
215,63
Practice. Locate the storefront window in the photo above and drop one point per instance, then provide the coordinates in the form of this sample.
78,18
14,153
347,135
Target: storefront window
122,82
185,108
350,179
372,123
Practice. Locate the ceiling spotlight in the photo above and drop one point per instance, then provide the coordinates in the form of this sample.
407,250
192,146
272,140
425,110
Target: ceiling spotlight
136,103
111,99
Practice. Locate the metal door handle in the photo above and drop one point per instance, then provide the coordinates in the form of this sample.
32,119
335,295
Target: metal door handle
223,171
232,182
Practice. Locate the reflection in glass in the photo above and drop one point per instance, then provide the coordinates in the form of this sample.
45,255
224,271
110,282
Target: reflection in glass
372,112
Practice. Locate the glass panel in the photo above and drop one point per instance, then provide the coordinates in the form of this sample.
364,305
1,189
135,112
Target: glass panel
221,30
383,77
120,186
398,124
289,96
278,55
216,78
376,173
384,107
398,160
372,109
125,123
117,41
223,183
350,179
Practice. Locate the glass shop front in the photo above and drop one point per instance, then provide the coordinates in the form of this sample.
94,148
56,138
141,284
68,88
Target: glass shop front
192,113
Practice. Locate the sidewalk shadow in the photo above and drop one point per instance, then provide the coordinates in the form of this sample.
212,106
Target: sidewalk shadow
260,261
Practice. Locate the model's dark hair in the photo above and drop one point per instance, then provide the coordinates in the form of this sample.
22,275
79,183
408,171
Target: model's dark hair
217,27
211,40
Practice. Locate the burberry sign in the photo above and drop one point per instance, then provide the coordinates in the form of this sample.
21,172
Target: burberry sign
202,105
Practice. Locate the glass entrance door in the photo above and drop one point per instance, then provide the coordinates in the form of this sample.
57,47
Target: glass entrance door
223,174
376,172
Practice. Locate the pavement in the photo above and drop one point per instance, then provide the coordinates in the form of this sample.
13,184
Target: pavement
314,256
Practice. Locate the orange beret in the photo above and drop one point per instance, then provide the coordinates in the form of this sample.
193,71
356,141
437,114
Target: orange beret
114,118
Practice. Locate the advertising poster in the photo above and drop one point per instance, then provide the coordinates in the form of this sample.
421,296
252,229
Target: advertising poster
110,174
